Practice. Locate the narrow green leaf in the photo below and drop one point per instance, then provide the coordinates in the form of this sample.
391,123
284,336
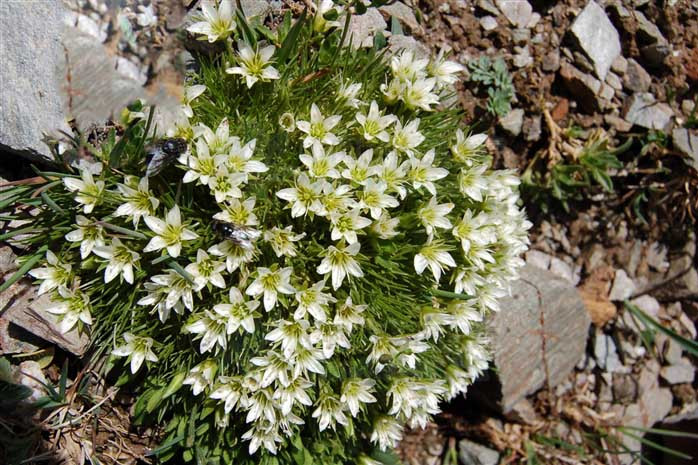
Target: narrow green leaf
53,205
17,232
450,295
659,447
119,229
28,265
168,444
291,40
247,33
687,344
181,271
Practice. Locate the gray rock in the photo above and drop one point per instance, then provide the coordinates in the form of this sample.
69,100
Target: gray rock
533,22
686,142
532,128
682,372
623,287
523,57
31,376
524,412
402,42
606,354
362,28
403,13
597,37
551,61
647,31
472,453
96,92
672,351
606,91
541,339
520,35
688,324
256,8
538,259
30,99
488,23
583,87
487,6
619,65
512,122
624,388
614,81
643,110
518,12
636,79
561,269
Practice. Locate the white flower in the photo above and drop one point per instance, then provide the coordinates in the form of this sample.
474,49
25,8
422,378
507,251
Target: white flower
239,312
418,94
224,185
282,240
347,315
392,91
138,349
271,282
290,335
458,381
240,213
435,255
307,360
433,215
320,164
359,170
386,432
201,376
230,390
406,67
320,24
472,182
55,274
218,142
329,411
433,322
206,270
345,225
393,175
406,139
139,200
466,149
239,158
347,94
287,122
190,93
383,351
89,191
89,234
274,367
120,260
443,70
255,65
340,262
295,392
474,229
202,166
72,307
169,233
463,315
319,127
312,300
385,226
211,328
330,335
258,436
373,125
217,23
335,199
356,392
175,289
305,196
235,254
374,198
423,173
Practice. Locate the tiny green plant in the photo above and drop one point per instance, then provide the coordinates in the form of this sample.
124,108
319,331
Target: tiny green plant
495,76
303,266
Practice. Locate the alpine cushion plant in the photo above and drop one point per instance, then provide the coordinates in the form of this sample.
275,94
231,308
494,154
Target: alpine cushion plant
312,274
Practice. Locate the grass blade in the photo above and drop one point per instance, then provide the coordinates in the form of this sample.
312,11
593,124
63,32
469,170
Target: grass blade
687,344
291,39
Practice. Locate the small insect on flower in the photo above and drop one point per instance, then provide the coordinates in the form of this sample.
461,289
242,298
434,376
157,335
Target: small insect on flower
243,236
162,154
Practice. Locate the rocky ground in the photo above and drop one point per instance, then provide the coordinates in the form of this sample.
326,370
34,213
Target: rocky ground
572,362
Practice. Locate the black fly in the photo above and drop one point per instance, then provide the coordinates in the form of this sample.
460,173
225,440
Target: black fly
243,236
162,154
